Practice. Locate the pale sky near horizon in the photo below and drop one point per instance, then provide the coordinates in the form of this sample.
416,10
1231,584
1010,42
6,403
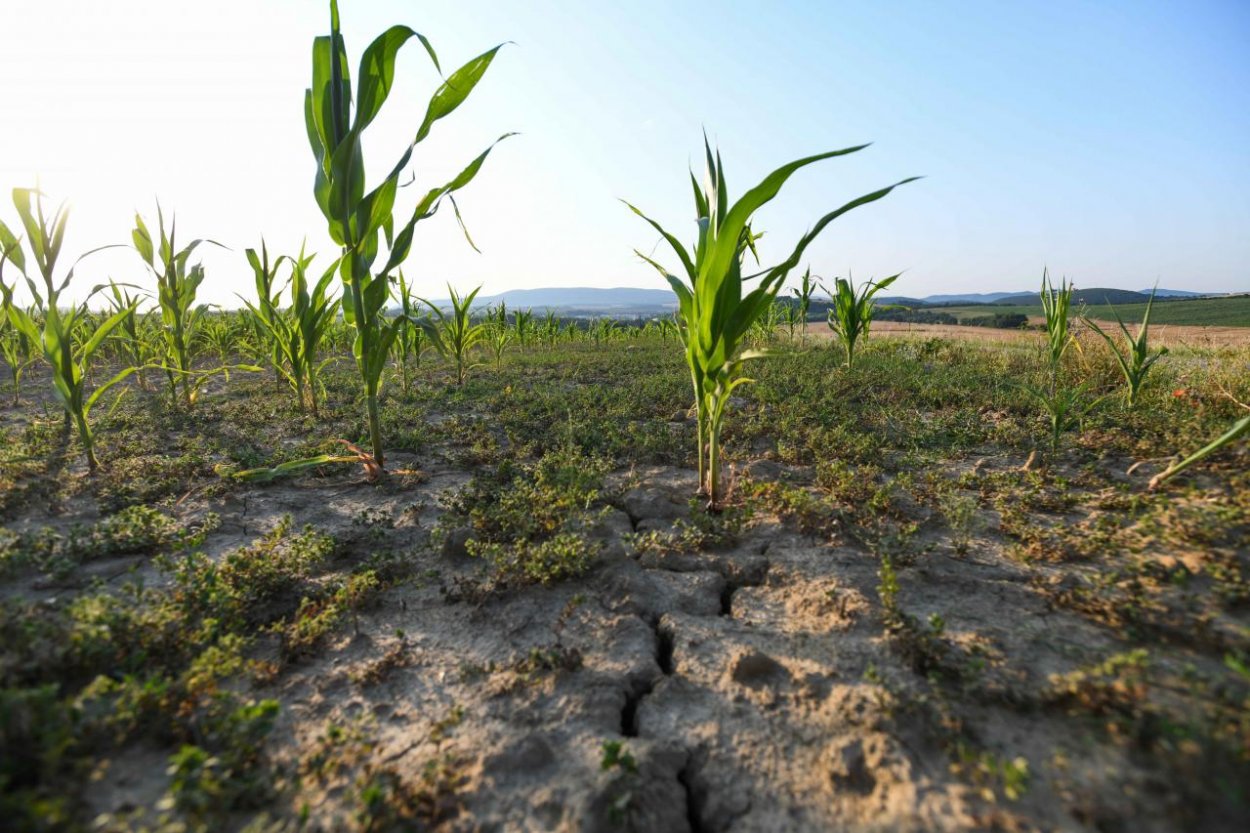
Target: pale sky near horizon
1110,141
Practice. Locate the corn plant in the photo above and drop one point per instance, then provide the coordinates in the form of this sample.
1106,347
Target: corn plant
298,333
1135,359
851,311
523,326
177,282
549,332
602,330
456,332
716,312
1056,302
262,316
220,334
792,317
357,219
1064,406
498,338
413,338
803,295
497,316
134,340
69,337
18,350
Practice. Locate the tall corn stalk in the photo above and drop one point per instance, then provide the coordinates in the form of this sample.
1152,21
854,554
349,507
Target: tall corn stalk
356,219
716,308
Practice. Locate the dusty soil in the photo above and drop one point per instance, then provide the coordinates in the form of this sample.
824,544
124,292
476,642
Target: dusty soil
753,685
780,677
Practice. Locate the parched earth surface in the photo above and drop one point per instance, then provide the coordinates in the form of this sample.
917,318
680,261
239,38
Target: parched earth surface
986,643
754,685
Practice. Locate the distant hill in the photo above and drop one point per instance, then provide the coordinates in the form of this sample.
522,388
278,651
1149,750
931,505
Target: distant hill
1173,293
901,300
616,299
1087,296
1220,310
969,298
626,301
1083,296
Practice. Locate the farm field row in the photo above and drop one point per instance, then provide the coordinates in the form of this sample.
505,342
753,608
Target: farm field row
1202,312
530,622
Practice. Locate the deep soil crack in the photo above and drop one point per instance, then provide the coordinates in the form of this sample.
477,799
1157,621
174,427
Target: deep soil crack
694,807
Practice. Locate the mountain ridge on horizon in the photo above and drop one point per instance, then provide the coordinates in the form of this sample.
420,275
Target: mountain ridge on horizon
628,298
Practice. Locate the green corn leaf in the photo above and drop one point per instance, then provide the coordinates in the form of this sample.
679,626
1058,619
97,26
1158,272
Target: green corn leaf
377,71
453,92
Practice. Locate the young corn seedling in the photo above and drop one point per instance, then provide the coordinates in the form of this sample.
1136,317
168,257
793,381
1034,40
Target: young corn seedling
764,330
456,334
498,316
1065,407
263,316
312,315
498,338
18,350
601,330
357,219
850,316
178,281
411,341
1056,301
716,303
297,334
69,337
134,340
1135,359
220,334
669,328
803,295
549,332
523,326
792,317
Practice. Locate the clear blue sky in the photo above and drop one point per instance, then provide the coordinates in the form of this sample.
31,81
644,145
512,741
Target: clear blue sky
1108,140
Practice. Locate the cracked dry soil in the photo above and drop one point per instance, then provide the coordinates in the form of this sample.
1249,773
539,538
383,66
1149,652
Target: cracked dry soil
752,687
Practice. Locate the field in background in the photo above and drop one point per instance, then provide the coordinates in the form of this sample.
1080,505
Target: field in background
1171,334
1221,312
